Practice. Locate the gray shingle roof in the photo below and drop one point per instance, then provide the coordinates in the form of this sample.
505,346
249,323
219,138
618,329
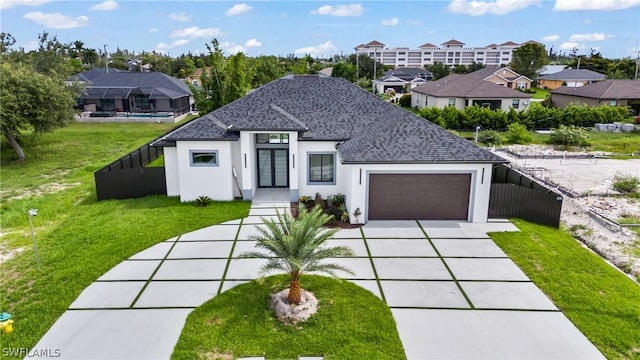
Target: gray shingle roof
610,89
327,108
98,78
573,75
467,86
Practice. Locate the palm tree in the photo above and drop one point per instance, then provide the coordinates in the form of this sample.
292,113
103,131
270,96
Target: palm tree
294,245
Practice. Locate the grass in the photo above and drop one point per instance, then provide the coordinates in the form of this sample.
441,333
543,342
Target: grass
540,93
600,300
351,323
78,238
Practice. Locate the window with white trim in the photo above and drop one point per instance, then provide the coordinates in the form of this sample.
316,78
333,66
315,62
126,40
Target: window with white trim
321,168
452,102
515,103
203,157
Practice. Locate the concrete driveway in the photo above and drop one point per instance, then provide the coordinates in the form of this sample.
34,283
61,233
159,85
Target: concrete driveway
453,292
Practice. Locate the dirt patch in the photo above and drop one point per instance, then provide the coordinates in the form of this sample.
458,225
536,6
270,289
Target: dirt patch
45,189
589,178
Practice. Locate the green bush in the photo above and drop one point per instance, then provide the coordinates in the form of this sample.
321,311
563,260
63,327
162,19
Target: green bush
489,137
625,183
405,100
203,200
518,134
569,136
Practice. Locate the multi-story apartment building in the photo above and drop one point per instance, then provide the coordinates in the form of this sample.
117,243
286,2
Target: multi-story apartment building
451,53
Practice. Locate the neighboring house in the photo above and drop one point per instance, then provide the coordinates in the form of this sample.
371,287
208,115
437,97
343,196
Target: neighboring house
503,76
399,78
461,91
609,92
569,77
551,69
113,91
316,134
195,79
452,52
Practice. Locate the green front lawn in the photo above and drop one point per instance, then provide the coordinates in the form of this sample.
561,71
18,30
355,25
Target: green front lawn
540,93
78,238
351,323
601,301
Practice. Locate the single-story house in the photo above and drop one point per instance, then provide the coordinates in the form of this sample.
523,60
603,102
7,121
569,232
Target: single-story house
609,92
503,76
398,78
109,92
316,134
461,91
569,77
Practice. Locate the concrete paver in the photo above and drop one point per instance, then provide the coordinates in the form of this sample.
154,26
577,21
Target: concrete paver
132,270
411,269
506,295
428,294
177,294
468,248
427,298
400,247
485,269
100,295
191,269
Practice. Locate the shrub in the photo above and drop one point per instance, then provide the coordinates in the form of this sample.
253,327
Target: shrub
569,136
489,137
405,100
518,134
203,200
364,83
625,183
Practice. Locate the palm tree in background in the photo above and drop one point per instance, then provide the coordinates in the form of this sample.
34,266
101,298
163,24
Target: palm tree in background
295,246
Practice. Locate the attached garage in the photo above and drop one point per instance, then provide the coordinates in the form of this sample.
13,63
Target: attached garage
419,196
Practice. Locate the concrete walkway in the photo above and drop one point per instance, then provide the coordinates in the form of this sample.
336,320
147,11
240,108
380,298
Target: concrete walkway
453,292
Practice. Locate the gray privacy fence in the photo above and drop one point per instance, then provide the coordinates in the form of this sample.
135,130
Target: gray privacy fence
516,195
128,177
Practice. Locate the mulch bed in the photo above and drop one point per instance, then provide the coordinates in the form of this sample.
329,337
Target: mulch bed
331,224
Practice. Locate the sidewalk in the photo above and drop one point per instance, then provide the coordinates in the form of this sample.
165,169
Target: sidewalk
454,294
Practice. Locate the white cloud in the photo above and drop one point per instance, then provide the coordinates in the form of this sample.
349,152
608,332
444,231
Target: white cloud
107,5
179,17
195,32
390,22
589,37
568,5
152,30
252,43
164,46
237,9
339,10
570,45
56,20
498,7
5,4
327,48
550,38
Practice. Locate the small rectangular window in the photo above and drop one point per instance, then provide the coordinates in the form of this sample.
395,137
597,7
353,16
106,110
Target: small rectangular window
204,157
613,102
322,168
452,102
515,103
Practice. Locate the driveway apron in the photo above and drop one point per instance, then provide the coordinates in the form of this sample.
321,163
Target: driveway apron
453,293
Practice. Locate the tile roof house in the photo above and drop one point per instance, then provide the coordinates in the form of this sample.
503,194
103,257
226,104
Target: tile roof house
466,90
397,79
609,92
125,93
316,134
570,77
503,76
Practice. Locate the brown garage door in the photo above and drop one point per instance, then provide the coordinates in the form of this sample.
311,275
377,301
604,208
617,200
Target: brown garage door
419,196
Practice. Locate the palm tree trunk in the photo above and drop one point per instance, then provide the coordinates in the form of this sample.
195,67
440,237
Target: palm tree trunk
294,289
16,146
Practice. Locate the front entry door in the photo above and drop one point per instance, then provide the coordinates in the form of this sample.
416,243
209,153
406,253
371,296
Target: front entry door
273,168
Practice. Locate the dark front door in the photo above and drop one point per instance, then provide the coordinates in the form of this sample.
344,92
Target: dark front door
273,168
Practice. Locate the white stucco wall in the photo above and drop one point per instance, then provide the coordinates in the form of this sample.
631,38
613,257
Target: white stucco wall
418,99
170,155
358,195
215,182
236,162
342,172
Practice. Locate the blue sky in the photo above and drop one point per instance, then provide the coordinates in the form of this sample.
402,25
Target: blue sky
324,28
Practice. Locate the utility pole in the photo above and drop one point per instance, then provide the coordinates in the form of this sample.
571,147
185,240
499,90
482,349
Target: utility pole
637,63
106,59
